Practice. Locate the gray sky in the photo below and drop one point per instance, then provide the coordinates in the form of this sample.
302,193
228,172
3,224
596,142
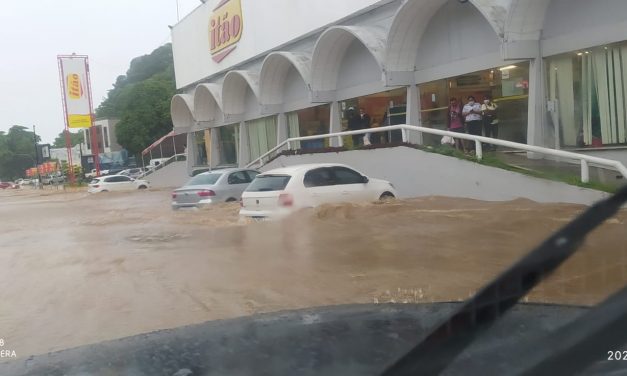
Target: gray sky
111,32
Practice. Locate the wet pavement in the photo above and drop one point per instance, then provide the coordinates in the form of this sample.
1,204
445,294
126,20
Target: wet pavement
78,269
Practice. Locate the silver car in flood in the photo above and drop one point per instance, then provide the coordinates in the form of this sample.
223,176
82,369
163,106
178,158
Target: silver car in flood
214,186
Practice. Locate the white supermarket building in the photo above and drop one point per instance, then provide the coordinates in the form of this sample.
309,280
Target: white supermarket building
252,73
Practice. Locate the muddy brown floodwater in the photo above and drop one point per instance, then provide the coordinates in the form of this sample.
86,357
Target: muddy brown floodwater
78,269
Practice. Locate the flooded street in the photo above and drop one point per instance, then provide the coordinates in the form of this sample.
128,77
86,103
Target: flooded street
78,269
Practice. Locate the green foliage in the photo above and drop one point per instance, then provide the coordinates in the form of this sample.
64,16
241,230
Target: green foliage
17,152
141,100
75,139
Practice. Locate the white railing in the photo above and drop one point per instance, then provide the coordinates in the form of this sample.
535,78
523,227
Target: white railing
174,158
584,160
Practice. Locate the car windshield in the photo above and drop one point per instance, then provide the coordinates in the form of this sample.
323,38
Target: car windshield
326,187
268,183
204,179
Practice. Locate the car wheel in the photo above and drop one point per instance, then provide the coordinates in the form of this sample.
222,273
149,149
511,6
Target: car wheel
142,187
231,199
386,197
104,190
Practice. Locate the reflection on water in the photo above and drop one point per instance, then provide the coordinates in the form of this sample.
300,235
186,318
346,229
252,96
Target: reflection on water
79,269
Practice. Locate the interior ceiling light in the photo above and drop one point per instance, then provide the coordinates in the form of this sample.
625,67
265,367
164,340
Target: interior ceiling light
507,67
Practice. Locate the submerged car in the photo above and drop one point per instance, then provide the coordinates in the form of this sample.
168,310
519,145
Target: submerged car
279,192
132,172
114,183
215,186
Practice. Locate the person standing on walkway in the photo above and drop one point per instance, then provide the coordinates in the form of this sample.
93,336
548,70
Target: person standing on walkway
364,123
490,120
472,115
354,122
455,123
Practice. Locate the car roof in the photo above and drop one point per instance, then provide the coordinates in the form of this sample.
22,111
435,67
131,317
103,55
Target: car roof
225,170
302,167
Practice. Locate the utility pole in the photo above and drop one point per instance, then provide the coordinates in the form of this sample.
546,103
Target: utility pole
36,157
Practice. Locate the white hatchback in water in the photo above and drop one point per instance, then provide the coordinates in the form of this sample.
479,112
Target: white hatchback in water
113,183
279,192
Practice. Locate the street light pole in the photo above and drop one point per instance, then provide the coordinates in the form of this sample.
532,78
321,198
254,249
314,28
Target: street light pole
36,157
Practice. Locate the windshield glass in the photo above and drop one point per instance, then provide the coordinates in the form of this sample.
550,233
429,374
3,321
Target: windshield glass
204,179
268,183
226,186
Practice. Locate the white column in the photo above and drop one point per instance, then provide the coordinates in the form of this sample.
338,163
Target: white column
191,153
282,133
214,158
244,153
413,113
335,123
537,105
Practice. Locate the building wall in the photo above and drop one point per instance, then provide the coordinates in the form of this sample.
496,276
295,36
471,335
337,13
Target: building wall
575,24
459,39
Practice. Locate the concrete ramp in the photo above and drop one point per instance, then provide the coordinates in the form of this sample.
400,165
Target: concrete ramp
418,173
171,176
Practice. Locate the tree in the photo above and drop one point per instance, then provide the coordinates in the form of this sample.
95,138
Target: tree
75,139
141,100
17,152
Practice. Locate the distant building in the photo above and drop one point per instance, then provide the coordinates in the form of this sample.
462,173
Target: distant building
107,142
111,154
61,154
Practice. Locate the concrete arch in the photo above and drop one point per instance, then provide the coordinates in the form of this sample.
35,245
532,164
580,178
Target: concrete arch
234,90
411,22
330,49
274,71
525,19
182,112
208,102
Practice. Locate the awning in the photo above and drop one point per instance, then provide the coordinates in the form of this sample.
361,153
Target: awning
156,143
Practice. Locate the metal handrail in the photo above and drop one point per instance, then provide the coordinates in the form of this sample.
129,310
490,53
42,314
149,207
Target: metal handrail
584,160
173,158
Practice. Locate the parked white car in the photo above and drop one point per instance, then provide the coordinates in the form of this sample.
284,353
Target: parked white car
92,174
278,192
115,183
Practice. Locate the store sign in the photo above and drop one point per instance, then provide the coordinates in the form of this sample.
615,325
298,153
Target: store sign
225,28
73,71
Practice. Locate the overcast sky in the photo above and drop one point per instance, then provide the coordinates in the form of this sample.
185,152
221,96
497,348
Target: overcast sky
111,32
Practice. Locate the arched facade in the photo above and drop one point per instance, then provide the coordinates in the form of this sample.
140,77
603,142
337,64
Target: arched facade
329,53
182,111
410,24
208,103
277,70
399,47
235,91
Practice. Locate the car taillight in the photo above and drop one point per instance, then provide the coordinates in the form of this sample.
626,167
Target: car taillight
173,194
206,193
96,186
286,199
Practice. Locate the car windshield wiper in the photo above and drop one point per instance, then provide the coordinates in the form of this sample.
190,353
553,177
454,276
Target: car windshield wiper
477,314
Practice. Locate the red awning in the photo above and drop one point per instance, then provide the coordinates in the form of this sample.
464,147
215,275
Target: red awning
156,143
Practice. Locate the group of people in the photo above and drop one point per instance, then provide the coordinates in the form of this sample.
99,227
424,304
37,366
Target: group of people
472,118
358,121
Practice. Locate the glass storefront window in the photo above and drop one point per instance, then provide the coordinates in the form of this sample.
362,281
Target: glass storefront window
380,109
228,136
587,93
508,86
308,122
262,136
201,150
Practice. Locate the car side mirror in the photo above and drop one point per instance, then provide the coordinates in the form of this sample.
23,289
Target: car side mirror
364,179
